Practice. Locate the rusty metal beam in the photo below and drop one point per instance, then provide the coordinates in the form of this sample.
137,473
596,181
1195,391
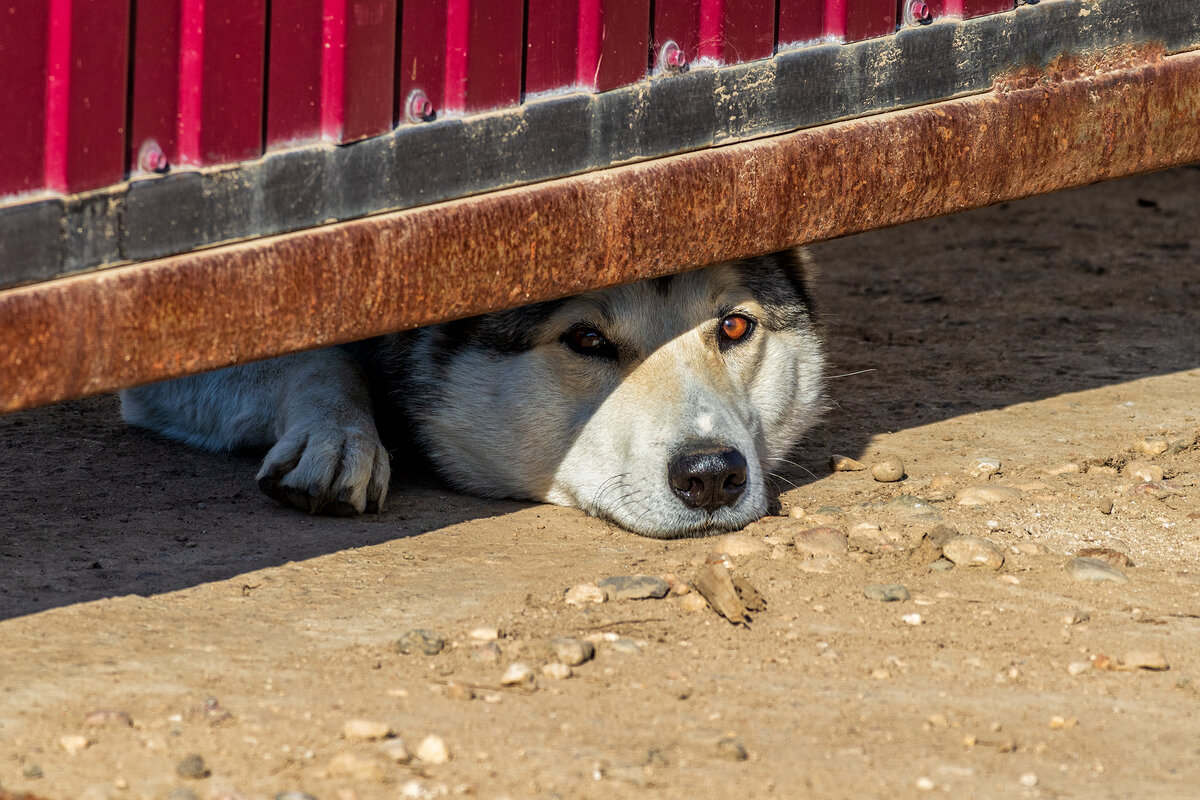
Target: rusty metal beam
1036,132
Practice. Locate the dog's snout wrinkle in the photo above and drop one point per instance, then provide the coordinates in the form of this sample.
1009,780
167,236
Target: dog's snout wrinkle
708,477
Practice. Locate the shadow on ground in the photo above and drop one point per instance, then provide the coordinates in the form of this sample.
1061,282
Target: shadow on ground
939,318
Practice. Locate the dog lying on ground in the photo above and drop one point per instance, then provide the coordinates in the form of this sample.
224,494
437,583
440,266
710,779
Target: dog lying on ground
661,406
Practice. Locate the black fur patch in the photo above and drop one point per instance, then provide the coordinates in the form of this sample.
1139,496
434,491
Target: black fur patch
779,282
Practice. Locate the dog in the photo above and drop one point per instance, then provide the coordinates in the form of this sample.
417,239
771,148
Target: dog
662,406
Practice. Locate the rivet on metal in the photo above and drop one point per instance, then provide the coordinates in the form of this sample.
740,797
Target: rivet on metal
151,158
671,58
419,107
917,12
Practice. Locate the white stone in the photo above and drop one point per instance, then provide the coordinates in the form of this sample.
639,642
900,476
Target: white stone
433,750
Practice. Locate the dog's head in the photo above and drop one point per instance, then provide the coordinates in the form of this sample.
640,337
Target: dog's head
660,405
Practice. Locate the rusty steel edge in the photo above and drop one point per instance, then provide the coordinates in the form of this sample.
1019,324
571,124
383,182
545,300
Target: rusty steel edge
1038,133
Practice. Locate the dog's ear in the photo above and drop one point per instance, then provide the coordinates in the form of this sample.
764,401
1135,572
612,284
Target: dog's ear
800,269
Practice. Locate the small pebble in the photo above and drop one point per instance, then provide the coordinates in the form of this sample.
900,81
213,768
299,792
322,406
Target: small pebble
485,634
1153,446
366,730
911,504
352,765
1075,618
294,795
1102,470
983,468
455,691
887,593
1079,667
942,565
33,772
986,494
797,512
73,743
888,469
573,652
971,551
433,750
1145,659
1066,468
557,671
940,483
1029,780
845,464
107,716
626,647
1093,570
739,545
182,793
729,748
1106,554
396,751
693,602
488,653
1143,471
926,784
420,640
584,594
517,674
869,538
634,587
193,766
1031,549
813,542
1104,505
912,619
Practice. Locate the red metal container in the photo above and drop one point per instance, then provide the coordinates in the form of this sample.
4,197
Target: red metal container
594,45
969,8
198,80
803,21
463,55
62,90
331,70
715,31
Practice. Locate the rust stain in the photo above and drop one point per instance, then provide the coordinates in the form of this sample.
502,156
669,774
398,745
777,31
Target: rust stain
1066,126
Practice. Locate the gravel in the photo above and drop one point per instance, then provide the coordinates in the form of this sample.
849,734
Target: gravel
839,463
888,469
433,750
366,730
193,766
971,551
739,545
987,494
634,587
420,640
573,652
1093,570
584,594
813,542
887,593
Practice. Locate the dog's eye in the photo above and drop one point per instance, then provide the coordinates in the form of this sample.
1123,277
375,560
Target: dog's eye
587,341
735,328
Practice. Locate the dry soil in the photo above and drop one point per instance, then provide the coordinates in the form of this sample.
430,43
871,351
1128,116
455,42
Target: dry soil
1056,336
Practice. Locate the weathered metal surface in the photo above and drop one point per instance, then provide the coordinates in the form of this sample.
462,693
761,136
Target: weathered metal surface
1036,133
553,137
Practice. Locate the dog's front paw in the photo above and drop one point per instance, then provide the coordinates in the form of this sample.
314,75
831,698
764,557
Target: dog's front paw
327,469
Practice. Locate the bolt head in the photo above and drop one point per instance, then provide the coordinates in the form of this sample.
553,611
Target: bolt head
671,57
151,158
420,107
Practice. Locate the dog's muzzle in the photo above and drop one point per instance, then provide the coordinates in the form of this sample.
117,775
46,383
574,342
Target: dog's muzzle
708,476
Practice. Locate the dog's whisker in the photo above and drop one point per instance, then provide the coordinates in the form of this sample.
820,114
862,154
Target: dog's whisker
800,466
850,374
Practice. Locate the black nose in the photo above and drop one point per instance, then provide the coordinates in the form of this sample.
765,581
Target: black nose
708,476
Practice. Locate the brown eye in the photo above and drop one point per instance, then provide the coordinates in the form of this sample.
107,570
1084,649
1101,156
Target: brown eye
588,341
735,327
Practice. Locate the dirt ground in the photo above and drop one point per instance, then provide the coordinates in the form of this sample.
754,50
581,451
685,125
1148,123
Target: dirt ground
1057,336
